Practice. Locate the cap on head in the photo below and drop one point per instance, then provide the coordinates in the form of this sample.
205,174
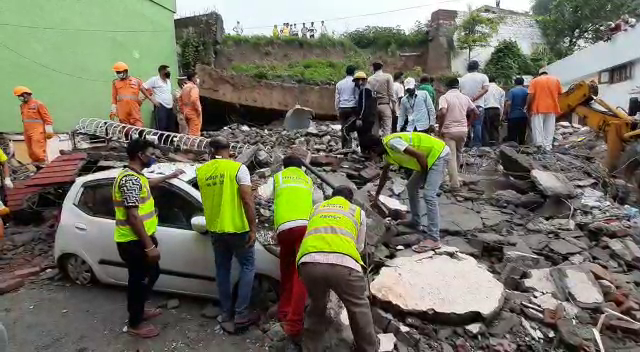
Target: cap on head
410,83
120,66
217,144
19,90
543,70
359,75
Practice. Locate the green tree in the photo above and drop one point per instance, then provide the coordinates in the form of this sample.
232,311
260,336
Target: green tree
377,37
572,24
508,61
541,57
476,30
541,7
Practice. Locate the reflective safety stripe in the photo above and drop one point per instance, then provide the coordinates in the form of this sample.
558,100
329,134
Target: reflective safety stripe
351,214
143,217
330,230
294,185
34,120
127,97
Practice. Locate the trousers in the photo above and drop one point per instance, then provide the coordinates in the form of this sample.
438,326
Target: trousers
455,141
542,128
491,126
476,128
36,141
345,115
142,276
385,118
293,294
165,118
349,285
517,130
428,220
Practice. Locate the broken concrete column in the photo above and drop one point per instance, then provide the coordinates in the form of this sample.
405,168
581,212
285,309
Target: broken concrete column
449,289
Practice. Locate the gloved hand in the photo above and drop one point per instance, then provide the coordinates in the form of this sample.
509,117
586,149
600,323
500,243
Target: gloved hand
8,183
48,130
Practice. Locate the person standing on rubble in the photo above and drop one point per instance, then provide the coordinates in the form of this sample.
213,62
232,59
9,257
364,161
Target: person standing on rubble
367,108
398,93
37,122
493,105
456,110
543,107
346,105
417,108
428,157
475,85
190,104
160,85
182,124
125,100
329,260
136,223
515,112
382,85
230,213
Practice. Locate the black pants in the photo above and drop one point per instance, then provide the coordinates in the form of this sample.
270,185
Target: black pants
165,119
142,276
491,126
517,130
346,115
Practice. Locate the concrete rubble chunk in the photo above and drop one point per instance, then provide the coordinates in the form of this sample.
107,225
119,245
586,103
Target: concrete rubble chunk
475,329
458,219
562,224
460,291
579,285
462,245
564,247
505,322
387,342
540,280
546,301
518,166
626,249
553,184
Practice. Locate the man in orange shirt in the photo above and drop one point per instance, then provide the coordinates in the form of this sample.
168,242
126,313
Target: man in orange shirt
543,107
190,104
125,101
38,125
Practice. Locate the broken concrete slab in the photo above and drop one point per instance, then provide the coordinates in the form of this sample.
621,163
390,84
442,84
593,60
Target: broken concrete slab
387,342
563,247
457,219
518,166
491,218
462,245
393,204
536,241
553,184
540,280
626,249
578,285
405,240
505,322
459,291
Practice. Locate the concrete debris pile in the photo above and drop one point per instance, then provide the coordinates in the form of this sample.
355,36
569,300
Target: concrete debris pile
536,250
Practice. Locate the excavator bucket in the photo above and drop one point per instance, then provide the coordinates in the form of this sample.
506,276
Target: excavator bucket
298,118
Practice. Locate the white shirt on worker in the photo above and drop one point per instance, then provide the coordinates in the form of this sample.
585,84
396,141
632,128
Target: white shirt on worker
161,90
399,145
472,83
494,97
346,93
398,93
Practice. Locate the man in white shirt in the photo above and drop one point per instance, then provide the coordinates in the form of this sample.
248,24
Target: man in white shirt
238,28
418,109
398,93
160,86
323,29
475,85
493,105
346,105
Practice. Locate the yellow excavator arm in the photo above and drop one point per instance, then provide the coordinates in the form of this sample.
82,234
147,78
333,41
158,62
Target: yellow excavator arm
616,126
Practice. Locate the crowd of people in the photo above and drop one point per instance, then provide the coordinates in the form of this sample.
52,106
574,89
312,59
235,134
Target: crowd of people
290,30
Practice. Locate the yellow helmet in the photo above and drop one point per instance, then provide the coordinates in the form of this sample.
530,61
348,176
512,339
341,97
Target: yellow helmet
360,75
120,66
19,90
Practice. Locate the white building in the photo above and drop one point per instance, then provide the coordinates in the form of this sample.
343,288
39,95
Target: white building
517,26
615,65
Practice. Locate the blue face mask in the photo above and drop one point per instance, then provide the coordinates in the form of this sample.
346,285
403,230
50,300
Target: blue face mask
150,162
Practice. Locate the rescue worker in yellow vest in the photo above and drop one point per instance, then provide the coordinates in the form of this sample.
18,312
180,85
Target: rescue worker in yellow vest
136,224
329,260
225,186
427,156
293,202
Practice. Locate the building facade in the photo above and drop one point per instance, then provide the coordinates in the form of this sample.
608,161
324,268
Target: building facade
64,51
615,65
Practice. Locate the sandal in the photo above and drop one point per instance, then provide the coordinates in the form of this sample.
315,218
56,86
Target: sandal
144,331
426,246
151,313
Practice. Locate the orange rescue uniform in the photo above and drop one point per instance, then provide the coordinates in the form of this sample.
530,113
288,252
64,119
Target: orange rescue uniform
190,107
35,116
125,94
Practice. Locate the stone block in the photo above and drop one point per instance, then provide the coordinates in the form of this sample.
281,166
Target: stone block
553,184
518,166
10,285
579,285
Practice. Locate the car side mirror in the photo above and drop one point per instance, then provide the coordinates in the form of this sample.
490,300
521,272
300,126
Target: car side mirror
199,224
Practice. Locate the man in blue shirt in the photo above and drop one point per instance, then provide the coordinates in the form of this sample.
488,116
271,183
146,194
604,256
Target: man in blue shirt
515,113
417,107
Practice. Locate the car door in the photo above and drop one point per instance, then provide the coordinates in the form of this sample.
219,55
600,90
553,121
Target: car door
187,262
95,225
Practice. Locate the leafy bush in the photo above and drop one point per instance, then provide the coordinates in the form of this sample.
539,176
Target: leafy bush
324,41
386,38
508,61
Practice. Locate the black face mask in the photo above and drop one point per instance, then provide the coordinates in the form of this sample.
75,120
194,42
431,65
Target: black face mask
167,74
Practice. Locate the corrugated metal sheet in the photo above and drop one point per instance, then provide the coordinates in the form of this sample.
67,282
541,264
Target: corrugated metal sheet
62,170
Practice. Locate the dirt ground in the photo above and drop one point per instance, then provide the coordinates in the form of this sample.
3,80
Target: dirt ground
59,316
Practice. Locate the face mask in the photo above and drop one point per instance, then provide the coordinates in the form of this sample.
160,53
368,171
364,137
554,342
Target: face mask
167,74
23,99
121,75
149,162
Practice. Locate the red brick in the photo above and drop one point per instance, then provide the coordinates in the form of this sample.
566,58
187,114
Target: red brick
10,285
28,272
625,327
629,306
599,272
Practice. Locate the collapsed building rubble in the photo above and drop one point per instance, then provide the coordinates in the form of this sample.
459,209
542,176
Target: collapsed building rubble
538,246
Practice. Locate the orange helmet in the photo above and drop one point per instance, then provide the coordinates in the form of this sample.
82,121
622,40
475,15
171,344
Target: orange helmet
19,90
120,66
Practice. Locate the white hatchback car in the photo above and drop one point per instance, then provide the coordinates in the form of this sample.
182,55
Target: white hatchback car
85,249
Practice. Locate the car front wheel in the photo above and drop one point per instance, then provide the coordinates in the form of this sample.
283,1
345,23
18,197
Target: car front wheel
78,270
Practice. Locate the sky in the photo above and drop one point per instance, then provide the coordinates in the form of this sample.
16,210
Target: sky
259,16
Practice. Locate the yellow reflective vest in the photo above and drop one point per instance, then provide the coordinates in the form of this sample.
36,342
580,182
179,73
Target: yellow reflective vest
146,209
430,146
333,228
223,208
293,193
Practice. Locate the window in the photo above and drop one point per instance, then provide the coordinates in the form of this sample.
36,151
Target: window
174,207
96,200
616,74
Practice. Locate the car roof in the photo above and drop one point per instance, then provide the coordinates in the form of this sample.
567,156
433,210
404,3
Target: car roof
157,170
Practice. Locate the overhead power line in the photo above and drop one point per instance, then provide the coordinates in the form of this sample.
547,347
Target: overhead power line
365,15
